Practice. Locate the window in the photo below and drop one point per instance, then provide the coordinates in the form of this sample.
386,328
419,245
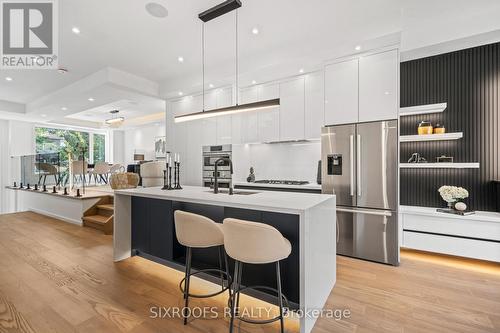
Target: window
66,142
62,141
99,148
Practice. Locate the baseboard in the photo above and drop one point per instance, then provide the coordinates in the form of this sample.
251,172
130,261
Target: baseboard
62,218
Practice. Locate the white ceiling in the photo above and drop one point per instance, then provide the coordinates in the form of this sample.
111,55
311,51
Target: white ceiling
120,34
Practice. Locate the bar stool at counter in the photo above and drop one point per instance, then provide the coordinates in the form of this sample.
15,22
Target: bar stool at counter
196,231
254,243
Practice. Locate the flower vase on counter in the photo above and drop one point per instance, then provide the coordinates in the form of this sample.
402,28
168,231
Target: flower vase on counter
454,196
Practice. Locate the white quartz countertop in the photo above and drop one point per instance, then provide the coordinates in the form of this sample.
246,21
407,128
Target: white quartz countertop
287,202
310,186
428,211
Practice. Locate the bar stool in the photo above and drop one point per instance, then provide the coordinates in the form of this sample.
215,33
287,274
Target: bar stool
254,243
196,231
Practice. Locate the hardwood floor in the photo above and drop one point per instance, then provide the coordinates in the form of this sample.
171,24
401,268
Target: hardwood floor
57,277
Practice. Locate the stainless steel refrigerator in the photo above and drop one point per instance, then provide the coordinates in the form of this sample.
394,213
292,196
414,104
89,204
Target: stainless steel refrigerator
360,166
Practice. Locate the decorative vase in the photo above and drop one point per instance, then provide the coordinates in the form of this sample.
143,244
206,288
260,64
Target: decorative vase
451,204
460,206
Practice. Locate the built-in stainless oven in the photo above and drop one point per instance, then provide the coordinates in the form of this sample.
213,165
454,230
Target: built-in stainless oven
212,154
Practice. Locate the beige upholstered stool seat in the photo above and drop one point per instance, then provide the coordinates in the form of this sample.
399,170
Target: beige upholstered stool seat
254,243
197,231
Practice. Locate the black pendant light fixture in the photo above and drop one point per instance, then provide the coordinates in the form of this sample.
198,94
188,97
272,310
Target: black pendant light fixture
208,15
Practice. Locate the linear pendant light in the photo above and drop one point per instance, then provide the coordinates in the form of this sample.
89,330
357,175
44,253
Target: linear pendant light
208,15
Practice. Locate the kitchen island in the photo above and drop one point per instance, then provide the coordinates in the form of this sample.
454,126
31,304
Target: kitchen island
144,226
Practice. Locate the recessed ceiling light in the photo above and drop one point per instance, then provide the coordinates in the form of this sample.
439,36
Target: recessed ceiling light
43,115
255,31
156,10
181,93
91,99
254,82
8,78
180,59
358,48
210,85
301,70
75,30
64,108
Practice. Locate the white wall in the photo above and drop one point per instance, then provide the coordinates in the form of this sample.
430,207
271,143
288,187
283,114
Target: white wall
142,140
116,147
16,139
4,164
285,161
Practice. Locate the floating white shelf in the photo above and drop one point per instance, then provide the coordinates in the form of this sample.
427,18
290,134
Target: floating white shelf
422,109
431,137
439,165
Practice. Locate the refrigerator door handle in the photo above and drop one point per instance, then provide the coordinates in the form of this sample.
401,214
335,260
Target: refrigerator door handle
351,155
369,212
338,231
358,163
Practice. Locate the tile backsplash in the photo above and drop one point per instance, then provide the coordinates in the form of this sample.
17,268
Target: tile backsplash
290,161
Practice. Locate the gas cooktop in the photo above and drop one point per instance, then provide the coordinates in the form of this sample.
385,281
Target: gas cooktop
282,182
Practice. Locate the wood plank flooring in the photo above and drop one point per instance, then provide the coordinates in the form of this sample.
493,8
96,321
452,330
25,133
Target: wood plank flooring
58,277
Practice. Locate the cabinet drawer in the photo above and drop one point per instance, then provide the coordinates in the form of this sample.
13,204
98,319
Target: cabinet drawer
471,248
452,226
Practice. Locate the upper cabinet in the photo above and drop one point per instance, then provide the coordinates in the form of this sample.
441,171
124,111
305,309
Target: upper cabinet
292,114
341,92
362,89
247,124
257,126
314,104
269,120
224,98
378,86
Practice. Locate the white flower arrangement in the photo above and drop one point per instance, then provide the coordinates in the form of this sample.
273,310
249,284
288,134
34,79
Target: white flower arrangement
453,193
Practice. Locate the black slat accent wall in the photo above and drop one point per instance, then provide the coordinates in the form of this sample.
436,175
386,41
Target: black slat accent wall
469,81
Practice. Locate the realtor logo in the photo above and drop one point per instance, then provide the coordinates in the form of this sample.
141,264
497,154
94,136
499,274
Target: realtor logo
29,34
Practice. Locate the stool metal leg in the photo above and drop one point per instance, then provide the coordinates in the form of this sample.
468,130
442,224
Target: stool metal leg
280,298
226,265
186,285
220,267
236,287
240,274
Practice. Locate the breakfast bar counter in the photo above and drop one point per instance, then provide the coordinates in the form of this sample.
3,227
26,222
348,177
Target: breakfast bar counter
144,226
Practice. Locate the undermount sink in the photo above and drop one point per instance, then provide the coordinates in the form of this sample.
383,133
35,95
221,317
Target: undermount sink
235,192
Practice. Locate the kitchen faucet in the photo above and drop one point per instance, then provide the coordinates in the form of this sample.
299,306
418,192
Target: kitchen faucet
216,181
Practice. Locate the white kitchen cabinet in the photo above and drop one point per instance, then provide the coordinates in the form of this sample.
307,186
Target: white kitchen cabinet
192,168
249,121
314,104
236,129
257,126
224,126
269,119
292,110
210,100
178,129
378,86
208,132
341,92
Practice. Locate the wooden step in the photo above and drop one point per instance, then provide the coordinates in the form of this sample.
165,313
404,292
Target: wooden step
97,219
110,207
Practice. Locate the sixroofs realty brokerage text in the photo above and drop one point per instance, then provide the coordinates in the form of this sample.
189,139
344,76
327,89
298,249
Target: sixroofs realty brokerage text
159,312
